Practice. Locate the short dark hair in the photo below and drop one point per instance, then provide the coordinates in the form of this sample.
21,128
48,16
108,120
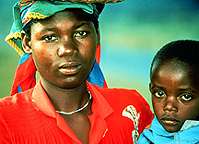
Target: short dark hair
185,51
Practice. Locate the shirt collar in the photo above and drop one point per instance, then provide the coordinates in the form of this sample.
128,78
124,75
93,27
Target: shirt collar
42,101
100,110
189,124
99,106
159,130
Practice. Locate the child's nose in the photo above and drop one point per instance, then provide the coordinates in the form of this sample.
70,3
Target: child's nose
170,104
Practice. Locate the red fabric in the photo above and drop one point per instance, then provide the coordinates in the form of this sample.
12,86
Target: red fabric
97,57
98,52
29,117
24,76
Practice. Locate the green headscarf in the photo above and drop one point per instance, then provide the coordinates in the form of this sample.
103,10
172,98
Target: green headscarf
26,11
40,9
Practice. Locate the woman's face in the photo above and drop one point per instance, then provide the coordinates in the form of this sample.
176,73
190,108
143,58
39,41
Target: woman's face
63,48
174,96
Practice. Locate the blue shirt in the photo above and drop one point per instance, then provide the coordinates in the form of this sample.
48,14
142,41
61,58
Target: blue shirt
156,134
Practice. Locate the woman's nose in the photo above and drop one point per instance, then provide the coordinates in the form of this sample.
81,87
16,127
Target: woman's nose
170,104
67,47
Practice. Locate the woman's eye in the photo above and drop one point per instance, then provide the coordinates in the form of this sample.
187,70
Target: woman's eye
159,93
186,97
80,34
49,38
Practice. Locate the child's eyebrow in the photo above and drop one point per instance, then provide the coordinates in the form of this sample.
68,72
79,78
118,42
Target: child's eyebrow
157,85
192,90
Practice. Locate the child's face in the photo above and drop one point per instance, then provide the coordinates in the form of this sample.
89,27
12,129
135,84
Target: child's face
174,97
63,48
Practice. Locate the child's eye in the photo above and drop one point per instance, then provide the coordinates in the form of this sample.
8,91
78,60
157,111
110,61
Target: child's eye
159,93
49,38
80,34
186,97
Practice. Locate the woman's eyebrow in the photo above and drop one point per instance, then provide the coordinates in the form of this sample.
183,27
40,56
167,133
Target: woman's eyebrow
46,29
82,24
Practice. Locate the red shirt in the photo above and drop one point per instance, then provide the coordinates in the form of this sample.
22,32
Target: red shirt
30,118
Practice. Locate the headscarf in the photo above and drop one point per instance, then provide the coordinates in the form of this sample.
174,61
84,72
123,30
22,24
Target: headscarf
24,12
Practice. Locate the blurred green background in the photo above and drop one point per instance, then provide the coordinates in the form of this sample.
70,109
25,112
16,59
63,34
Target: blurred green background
131,33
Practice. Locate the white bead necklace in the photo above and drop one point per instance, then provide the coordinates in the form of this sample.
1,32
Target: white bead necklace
77,110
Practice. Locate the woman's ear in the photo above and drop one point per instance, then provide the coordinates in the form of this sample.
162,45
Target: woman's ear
26,43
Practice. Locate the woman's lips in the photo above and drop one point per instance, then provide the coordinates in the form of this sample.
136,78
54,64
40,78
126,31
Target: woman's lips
70,68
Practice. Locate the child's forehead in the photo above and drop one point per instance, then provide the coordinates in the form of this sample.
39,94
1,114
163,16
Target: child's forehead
176,68
169,65
180,66
174,63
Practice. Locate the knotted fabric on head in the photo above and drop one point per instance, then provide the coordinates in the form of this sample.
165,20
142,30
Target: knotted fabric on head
27,10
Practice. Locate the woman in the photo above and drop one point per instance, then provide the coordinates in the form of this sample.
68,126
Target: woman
63,107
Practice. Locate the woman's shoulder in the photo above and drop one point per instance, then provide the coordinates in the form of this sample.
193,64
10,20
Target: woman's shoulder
124,96
11,101
128,103
121,93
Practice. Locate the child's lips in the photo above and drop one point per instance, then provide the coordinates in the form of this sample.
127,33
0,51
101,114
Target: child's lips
169,121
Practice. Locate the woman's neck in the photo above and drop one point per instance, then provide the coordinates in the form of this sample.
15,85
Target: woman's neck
65,99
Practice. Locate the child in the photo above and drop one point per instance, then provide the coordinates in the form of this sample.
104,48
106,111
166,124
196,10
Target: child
174,88
61,38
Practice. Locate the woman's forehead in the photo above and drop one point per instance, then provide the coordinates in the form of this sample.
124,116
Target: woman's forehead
68,16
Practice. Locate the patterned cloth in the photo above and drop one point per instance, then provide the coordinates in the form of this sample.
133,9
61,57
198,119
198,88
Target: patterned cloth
27,10
156,134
